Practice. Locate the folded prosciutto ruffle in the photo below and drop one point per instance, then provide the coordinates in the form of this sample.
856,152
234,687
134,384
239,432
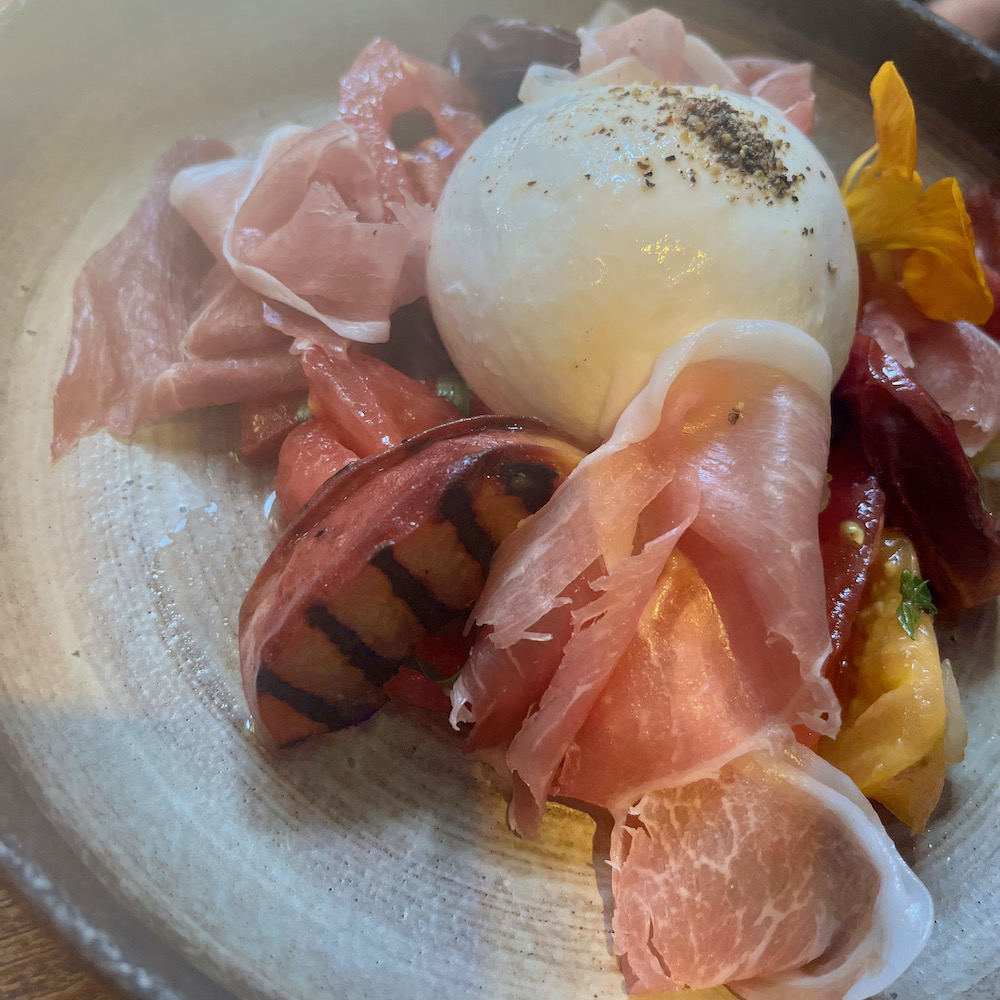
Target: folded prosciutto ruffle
957,363
650,637
654,46
773,875
306,225
335,222
722,454
133,307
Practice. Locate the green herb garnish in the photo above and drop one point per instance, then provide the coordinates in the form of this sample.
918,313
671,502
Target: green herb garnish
435,675
456,392
916,594
303,413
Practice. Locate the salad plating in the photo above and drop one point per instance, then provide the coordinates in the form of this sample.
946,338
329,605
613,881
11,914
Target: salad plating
644,561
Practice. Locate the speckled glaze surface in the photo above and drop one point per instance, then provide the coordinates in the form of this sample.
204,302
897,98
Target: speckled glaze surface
135,804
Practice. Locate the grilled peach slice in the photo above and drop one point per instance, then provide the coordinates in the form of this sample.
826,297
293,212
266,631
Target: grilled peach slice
392,549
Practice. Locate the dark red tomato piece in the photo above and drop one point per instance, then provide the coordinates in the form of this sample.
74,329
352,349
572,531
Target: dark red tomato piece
414,346
850,527
443,655
310,455
372,405
415,688
266,424
493,55
931,490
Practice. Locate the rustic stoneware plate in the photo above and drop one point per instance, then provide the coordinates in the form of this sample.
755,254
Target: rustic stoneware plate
136,806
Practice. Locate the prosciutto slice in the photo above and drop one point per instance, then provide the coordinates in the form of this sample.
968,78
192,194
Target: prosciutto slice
957,363
693,460
385,84
230,320
787,86
307,224
773,875
132,306
984,213
657,42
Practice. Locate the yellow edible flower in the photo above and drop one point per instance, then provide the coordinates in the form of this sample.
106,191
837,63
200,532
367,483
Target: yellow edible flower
890,210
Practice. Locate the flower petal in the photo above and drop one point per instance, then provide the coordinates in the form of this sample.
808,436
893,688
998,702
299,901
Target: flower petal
895,123
943,276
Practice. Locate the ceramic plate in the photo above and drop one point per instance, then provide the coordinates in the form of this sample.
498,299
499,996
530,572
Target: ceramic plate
138,808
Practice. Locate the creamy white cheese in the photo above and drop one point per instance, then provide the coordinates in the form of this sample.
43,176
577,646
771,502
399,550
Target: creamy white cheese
581,236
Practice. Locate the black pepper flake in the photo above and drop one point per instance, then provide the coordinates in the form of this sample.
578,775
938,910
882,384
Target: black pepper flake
737,140
822,174
532,183
669,159
587,176
649,183
795,197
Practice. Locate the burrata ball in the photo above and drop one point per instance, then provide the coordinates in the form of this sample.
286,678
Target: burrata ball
582,235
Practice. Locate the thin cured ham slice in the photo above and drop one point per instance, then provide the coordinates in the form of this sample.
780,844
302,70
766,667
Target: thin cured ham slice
230,320
957,363
641,733
984,213
308,225
132,307
654,37
384,84
694,459
773,876
786,86
656,42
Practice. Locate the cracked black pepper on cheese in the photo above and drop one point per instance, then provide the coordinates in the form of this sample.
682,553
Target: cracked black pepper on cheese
584,234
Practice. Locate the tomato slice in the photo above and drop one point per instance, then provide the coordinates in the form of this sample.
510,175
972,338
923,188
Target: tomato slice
414,688
310,455
265,425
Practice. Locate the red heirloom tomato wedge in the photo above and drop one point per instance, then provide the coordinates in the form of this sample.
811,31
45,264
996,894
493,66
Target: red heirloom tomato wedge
310,455
392,550
265,425
850,527
932,494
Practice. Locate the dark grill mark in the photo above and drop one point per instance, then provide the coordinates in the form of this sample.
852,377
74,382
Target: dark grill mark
456,506
430,612
531,482
309,705
377,669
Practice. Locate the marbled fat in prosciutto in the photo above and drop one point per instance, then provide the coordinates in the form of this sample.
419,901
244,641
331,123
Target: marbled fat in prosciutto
773,875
